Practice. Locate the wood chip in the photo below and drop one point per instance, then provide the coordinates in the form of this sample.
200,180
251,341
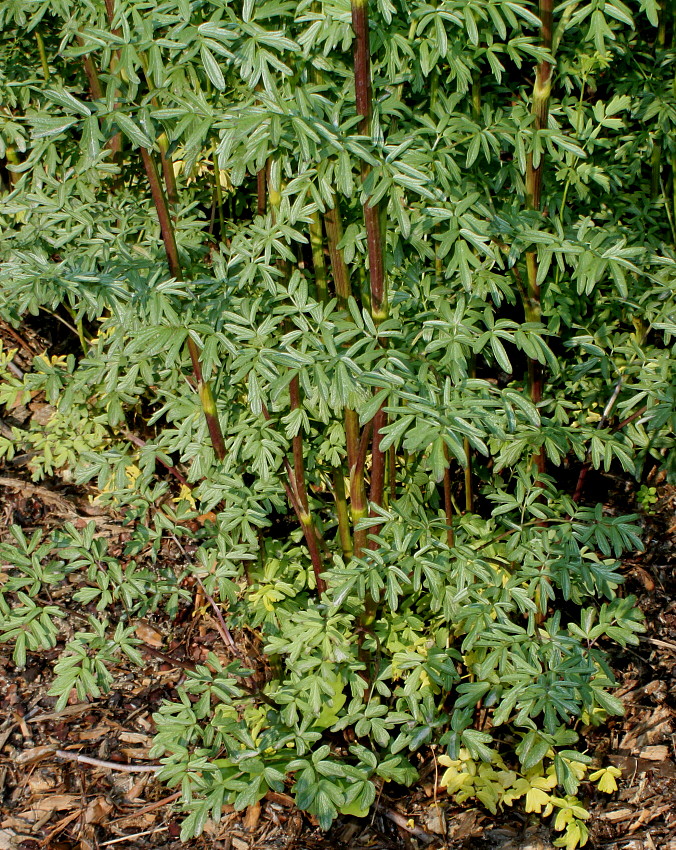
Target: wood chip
617,815
34,755
656,753
252,817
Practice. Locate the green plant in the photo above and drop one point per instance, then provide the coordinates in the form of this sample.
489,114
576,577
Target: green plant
354,285
647,497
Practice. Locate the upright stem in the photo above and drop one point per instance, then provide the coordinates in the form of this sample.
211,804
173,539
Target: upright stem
297,487
171,250
448,504
167,168
362,85
317,245
300,487
162,208
374,241
540,110
340,498
377,462
261,192
339,495
43,55
333,225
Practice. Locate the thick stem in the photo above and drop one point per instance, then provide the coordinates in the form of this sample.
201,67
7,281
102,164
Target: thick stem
167,169
169,239
342,513
448,504
358,503
540,110
92,77
318,262
333,225
162,209
304,518
208,402
339,495
377,464
43,55
363,95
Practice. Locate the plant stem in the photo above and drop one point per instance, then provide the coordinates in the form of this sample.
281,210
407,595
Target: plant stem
162,209
377,463
540,110
334,233
171,250
298,484
261,192
43,55
318,262
340,498
358,503
448,503
376,259
363,93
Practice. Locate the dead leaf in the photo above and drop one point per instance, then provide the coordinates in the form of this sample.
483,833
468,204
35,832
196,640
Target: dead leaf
42,413
149,635
97,810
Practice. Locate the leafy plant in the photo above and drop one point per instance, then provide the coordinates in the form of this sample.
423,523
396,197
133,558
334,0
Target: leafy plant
359,287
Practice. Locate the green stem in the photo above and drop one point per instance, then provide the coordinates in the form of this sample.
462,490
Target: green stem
318,262
358,504
476,95
299,484
342,513
219,196
43,55
448,503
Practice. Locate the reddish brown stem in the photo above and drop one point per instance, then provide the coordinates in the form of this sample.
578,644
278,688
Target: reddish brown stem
261,192
178,475
334,233
378,463
208,402
166,227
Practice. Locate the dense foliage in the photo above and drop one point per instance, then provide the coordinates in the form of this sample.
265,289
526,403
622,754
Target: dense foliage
366,290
